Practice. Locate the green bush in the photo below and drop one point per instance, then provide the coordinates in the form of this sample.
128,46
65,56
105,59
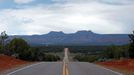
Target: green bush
1,49
51,57
20,49
19,46
86,58
131,48
115,52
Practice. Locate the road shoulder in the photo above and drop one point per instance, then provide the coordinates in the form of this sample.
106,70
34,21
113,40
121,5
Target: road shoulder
5,72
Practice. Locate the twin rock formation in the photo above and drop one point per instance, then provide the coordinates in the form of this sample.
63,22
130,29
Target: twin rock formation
80,38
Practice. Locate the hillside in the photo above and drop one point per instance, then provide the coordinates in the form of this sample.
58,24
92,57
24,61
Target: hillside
78,38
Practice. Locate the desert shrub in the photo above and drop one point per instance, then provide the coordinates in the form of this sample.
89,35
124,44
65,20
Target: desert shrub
131,47
19,46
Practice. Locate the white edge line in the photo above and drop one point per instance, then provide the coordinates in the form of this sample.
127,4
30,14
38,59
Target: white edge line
107,69
23,68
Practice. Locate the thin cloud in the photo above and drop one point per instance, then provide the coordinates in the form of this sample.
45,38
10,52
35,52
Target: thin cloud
23,1
69,17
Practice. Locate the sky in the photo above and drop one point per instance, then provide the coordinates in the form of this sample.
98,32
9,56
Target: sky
28,17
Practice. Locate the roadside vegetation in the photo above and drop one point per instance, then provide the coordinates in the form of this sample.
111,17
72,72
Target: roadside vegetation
19,48
101,53
107,53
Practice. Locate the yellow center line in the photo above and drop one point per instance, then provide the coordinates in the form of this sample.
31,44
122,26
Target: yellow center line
67,72
65,69
65,61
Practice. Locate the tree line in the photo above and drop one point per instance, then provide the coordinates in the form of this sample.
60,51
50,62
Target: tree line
110,52
118,52
19,48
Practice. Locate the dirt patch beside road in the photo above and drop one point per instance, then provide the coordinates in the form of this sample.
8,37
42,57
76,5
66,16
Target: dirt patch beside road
125,66
7,62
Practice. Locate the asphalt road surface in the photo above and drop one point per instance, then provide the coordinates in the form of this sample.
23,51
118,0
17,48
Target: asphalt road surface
43,68
84,68
55,68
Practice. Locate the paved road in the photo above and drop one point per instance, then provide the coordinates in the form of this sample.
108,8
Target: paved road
44,68
84,68
66,60
65,68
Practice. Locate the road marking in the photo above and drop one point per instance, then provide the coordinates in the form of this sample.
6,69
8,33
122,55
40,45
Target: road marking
24,68
107,69
65,61
67,72
65,69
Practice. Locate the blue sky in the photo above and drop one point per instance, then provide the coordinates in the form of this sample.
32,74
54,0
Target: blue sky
27,17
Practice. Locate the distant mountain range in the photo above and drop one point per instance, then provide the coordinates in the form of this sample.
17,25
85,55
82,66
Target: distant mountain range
83,38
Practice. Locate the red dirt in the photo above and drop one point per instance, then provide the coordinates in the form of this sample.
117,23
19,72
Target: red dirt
127,64
7,62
